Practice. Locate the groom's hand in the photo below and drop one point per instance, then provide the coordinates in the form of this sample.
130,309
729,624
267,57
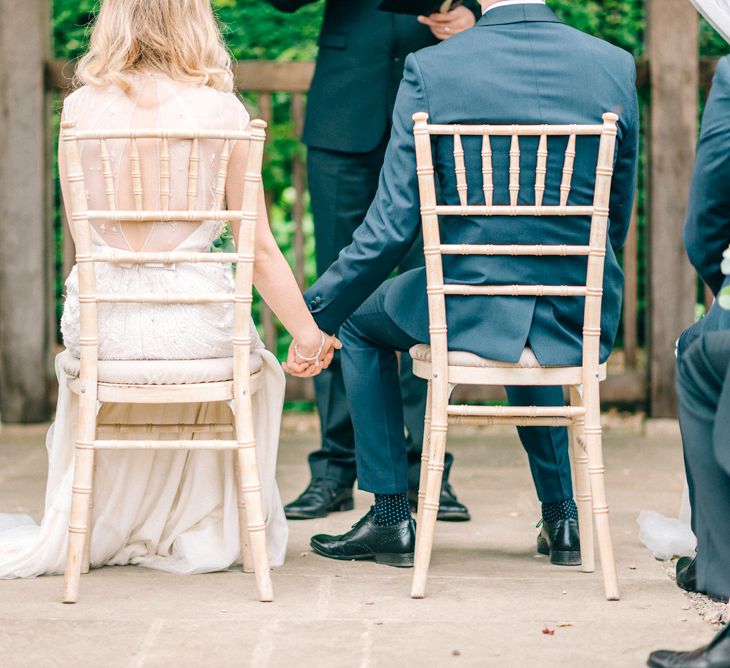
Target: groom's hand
450,23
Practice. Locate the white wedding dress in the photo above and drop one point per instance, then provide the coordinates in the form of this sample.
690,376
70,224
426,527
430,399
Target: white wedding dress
171,510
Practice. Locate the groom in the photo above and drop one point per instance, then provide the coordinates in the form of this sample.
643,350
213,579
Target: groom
520,63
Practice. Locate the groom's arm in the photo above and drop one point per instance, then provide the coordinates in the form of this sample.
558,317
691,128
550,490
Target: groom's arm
623,185
391,224
707,226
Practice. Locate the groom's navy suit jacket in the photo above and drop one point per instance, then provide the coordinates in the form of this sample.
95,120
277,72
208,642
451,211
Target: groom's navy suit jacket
519,64
707,226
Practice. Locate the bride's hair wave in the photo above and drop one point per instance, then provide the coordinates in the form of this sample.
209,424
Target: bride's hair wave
180,38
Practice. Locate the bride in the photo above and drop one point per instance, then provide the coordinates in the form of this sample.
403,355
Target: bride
162,63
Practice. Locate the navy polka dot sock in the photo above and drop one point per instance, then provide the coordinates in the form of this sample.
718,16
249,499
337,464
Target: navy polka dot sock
390,509
562,510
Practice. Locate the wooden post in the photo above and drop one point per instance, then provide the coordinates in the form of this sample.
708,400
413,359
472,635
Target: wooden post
631,291
672,36
25,224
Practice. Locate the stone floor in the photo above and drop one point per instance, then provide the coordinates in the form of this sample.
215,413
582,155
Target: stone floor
491,600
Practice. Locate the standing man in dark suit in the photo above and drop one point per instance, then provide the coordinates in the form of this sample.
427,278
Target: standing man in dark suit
361,54
520,64
702,376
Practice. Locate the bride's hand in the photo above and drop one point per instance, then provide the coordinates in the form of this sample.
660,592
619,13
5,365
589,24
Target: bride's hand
306,359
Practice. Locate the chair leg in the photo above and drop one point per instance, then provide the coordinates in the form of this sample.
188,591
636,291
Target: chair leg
582,486
425,456
594,447
78,525
242,520
427,518
254,510
85,566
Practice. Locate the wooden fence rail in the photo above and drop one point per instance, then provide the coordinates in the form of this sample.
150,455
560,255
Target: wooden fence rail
629,374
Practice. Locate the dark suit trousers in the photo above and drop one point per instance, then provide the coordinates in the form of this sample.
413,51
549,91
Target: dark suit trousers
370,340
342,186
703,385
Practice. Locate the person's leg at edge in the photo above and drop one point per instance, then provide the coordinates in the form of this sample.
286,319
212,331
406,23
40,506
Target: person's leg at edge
702,371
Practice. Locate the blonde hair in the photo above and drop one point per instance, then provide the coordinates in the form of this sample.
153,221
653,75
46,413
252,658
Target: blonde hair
180,38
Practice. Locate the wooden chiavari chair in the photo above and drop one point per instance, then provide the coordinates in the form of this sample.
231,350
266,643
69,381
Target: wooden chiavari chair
444,369
233,380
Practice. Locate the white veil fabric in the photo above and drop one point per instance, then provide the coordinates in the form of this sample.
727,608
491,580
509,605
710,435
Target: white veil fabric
717,13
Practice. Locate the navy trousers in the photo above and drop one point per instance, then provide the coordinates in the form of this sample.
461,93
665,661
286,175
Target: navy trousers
703,388
370,340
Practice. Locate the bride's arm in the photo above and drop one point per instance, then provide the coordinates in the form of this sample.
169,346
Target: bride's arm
272,275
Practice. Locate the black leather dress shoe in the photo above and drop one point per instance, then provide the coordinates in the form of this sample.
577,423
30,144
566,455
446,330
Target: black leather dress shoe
450,508
390,545
687,578
321,498
687,573
561,541
714,655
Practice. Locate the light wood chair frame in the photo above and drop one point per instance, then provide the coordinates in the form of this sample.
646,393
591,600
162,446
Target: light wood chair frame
240,389
583,415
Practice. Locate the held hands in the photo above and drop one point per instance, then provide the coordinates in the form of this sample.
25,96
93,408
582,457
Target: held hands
307,359
449,24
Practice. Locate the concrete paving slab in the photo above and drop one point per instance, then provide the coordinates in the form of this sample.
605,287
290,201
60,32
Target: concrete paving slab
489,598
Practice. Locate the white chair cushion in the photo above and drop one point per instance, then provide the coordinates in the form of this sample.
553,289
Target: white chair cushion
160,372
422,353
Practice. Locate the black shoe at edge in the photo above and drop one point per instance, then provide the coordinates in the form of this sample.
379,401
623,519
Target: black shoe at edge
390,545
686,574
714,655
561,541
321,498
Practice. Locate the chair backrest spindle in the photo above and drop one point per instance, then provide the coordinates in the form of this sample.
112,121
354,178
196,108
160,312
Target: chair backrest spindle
106,166
514,168
541,169
220,185
487,168
460,169
165,174
136,173
193,174
567,181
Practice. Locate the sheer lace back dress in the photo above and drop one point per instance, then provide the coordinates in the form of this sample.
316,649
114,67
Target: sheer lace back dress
154,331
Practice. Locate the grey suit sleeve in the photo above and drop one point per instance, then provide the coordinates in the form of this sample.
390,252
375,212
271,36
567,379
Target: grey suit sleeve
707,226
391,224
289,5
623,186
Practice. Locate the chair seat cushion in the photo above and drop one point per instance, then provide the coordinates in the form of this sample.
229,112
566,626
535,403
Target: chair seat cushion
422,353
160,372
